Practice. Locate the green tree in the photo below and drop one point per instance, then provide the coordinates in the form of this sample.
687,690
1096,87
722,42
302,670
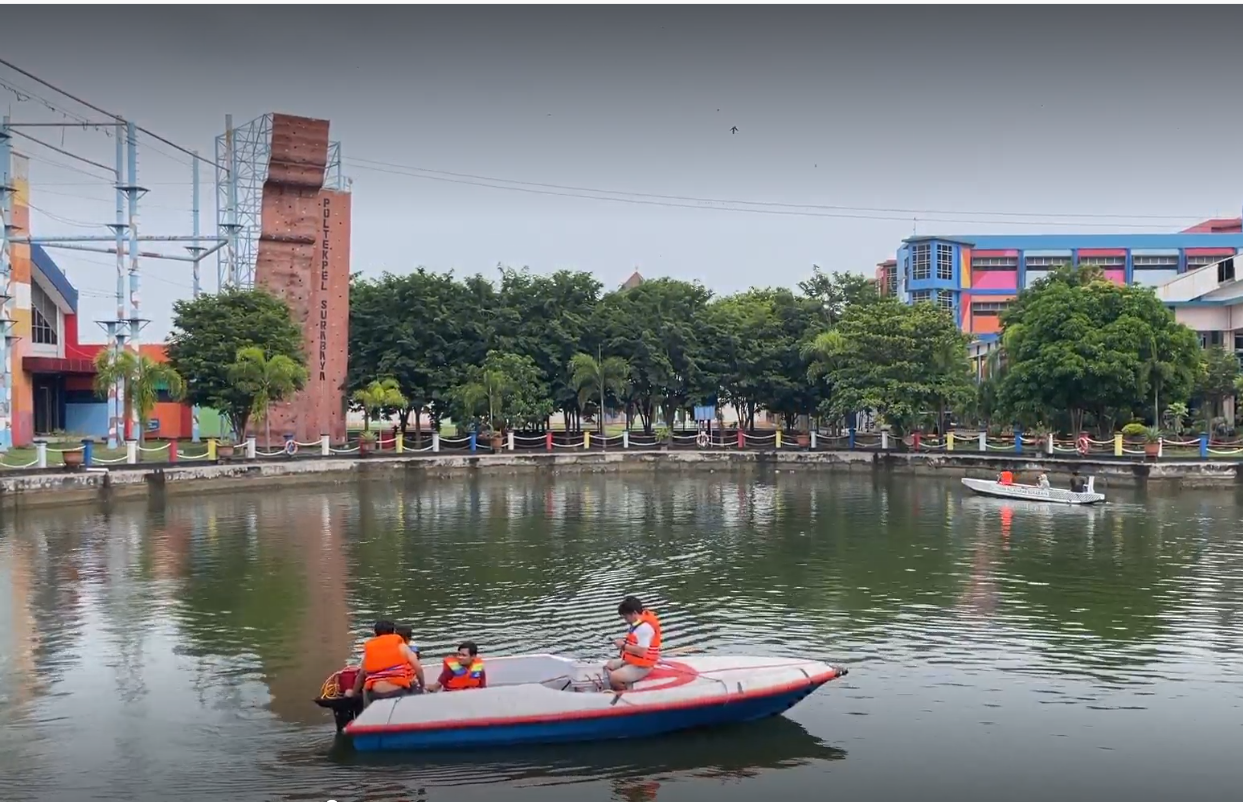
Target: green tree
835,293
209,331
380,395
265,380
599,378
1219,369
898,360
141,378
508,389
1076,345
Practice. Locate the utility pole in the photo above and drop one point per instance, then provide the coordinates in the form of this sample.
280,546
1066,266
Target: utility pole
604,435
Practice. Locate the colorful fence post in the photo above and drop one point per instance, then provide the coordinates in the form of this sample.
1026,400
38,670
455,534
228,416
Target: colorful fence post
548,442
1018,441
884,440
88,452
435,442
1048,444
626,439
400,442
252,446
813,439
511,440
473,442
131,452
851,441
984,441
949,441
211,449
41,453
1203,446
1118,444
325,445
916,439
1160,447
742,437
586,440
777,438
172,450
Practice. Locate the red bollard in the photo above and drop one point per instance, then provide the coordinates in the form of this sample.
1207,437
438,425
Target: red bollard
548,441
915,438
742,438
172,450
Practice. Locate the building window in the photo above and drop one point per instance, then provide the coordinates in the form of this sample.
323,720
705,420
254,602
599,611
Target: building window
1154,262
1225,270
891,279
989,307
1104,262
945,262
945,300
1046,262
1209,338
921,296
1238,342
994,263
1196,262
44,317
921,262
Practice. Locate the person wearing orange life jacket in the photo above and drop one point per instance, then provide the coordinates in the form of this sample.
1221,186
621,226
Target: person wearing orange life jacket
640,649
1005,478
389,667
462,671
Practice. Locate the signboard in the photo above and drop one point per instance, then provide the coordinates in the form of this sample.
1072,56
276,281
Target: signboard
705,413
153,426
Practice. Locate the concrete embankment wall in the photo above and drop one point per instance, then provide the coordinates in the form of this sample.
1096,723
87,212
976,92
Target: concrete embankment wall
60,487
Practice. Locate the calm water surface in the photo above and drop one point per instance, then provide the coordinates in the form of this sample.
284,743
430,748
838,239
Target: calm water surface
171,651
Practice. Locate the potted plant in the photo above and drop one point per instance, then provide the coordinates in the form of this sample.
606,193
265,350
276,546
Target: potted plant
663,437
1152,442
366,443
803,439
73,459
224,449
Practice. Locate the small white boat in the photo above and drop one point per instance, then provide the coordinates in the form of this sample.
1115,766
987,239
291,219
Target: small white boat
545,698
1046,495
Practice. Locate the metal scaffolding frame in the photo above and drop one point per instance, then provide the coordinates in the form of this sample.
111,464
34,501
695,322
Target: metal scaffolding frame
242,157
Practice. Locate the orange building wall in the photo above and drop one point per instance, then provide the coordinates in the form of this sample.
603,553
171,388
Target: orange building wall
23,389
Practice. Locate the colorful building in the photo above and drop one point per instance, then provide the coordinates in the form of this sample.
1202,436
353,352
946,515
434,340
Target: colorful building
977,277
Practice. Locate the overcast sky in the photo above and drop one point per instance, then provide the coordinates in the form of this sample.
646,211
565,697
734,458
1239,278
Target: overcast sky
904,118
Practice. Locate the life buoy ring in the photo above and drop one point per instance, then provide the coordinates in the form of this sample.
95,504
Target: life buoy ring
702,440
1083,445
291,447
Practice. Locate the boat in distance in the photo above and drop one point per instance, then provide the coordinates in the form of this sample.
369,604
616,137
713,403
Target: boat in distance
544,699
1045,495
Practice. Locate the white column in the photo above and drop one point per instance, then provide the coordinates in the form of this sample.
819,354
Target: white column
250,447
435,442
984,441
325,446
41,453
131,452
511,440
626,439
1048,444
813,439
1160,447
884,441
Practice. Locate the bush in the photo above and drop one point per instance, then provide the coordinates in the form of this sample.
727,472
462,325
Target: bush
1134,430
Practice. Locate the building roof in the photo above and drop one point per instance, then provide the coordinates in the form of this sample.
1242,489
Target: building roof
1025,242
1217,225
54,276
632,282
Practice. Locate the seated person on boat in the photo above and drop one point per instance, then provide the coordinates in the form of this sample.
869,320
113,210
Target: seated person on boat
1077,483
640,649
389,668
1005,478
1043,481
462,671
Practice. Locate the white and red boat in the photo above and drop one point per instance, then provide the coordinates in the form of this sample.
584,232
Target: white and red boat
545,698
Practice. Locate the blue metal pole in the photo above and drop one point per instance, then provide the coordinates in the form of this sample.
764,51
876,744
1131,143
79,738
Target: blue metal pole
115,335
194,215
473,442
6,191
131,139
88,452
1018,441
1203,446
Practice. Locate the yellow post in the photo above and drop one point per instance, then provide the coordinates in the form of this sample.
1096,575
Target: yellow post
400,442
211,448
586,439
1118,445
949,441
777,440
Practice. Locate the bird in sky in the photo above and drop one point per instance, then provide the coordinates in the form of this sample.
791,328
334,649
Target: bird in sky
734,130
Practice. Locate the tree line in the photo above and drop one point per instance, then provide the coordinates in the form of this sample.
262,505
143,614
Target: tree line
1076,352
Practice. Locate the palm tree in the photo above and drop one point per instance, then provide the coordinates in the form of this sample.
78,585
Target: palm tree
141,378
380,394
599,377
489,390
266,380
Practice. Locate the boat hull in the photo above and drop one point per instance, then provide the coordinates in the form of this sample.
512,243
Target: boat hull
544,699
1038,495
642,725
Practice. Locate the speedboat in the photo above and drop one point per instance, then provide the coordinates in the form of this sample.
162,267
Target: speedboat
1047,495
544,698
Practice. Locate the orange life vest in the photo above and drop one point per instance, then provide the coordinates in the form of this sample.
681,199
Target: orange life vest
653,650
1007,478
464,677
383,659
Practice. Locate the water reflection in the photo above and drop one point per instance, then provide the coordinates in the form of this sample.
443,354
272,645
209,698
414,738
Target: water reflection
181,642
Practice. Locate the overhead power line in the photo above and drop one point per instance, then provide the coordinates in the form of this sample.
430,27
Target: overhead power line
363,163
648,200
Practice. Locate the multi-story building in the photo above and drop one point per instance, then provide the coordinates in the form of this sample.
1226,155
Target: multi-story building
977,277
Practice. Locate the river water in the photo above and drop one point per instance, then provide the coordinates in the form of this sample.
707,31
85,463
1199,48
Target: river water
172,650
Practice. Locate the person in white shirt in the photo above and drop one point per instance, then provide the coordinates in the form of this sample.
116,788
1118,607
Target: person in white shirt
640,649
